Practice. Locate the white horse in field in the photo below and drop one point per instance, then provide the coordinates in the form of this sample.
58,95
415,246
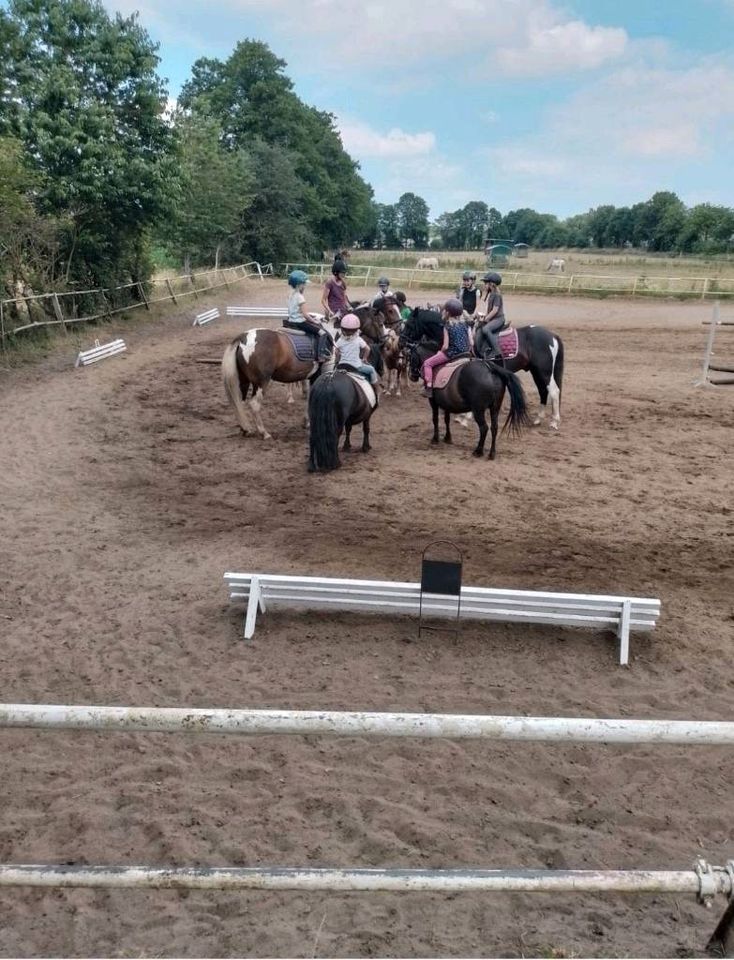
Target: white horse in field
556,265
427,263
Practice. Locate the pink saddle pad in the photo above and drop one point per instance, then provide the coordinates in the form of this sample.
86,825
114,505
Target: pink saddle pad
443,374
508,343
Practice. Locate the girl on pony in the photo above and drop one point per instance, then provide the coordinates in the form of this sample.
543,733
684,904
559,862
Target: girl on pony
457,340
352,351
300,319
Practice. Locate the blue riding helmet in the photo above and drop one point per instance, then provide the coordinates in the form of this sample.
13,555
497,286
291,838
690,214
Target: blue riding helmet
297,277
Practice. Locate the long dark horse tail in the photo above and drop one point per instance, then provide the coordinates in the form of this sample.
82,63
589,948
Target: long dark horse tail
558,370
375,358
518,417
324,429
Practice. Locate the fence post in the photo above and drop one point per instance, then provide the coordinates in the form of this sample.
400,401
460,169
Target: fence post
193,286
570,283
224,275
259,270
709,346
705,288
634,286
142,296
57,311
170,290
2,325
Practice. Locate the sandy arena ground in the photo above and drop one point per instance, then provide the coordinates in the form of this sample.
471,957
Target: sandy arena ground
127,491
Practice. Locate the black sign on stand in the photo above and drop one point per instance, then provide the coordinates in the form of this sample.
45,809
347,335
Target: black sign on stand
441,577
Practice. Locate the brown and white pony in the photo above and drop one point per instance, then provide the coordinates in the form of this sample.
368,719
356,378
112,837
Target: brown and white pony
394,358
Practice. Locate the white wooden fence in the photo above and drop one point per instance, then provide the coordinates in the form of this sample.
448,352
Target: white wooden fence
709,360
100,351
201,319
269,591
521,280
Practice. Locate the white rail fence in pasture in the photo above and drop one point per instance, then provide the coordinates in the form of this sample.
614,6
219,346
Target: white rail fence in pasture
34,311
521,280
710,362
271,591
703,880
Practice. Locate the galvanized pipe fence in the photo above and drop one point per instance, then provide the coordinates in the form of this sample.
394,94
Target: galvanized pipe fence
703,880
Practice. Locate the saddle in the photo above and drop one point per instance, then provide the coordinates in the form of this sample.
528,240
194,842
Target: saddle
303,344
442,374
364,385
509,342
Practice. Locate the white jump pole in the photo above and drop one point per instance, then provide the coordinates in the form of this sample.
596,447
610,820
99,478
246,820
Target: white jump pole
704,881
715,320
331,723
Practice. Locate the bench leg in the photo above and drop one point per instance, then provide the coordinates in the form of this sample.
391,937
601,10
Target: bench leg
623,633
254,601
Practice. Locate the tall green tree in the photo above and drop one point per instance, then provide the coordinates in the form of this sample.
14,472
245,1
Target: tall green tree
387,225
412,215
79,89
216,186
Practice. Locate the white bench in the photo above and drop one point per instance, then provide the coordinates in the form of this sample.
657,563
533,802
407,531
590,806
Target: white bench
277,313
100,351
269,591
206,317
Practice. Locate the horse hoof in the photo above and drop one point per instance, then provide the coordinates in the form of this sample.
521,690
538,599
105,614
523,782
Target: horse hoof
311,468
477,453
267,436
492,456
554,426
537,422
447,440
434,442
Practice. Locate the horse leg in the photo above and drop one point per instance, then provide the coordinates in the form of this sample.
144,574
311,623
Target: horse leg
366,436
493,419
256,406
481,422
447,421
434,407
347,437
289,393
541,384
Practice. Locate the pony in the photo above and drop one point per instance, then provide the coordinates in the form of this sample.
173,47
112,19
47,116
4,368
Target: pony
539,351
394,359
335,404
476,386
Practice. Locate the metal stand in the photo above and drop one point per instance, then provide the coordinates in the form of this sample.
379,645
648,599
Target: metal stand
441,577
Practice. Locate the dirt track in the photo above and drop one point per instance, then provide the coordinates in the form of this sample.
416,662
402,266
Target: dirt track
127,492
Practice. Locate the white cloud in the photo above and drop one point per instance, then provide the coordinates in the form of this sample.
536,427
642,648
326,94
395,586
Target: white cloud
562,47
361,140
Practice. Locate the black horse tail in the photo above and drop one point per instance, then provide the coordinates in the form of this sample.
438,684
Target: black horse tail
324,429
376,360
518,417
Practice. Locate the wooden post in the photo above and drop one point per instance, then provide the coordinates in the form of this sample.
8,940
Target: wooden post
705,288
709,347
2,326
634,286
57,311
193,286
570,283
142,295
170,290
226,281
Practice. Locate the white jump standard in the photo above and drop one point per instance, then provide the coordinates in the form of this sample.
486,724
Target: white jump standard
270,591
207,316
277,313
100,351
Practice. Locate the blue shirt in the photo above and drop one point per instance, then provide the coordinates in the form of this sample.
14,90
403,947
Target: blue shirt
458,339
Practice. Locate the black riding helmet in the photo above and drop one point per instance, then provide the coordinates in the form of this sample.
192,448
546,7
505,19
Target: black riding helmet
492,278
339,267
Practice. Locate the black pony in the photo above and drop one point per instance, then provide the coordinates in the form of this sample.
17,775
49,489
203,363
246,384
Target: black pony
335,404
476,387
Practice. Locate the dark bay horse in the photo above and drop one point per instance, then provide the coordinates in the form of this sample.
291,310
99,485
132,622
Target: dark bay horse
540,351
478,386
335,404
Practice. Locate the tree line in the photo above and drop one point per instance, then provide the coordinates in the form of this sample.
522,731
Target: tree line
97,179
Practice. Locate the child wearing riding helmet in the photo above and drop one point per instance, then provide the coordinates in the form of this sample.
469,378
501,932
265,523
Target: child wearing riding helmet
351,349
494,319
383,290
334,298
457,340
468,292
300,319
403,307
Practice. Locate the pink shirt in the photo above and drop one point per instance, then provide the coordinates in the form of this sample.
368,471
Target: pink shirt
336,296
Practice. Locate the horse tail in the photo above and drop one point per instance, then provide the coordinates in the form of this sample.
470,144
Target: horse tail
236,383
376,359
324,426
518,417
558,370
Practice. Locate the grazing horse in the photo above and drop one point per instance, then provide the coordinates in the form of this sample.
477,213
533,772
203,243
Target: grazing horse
476,386
540,351
336,402
254,359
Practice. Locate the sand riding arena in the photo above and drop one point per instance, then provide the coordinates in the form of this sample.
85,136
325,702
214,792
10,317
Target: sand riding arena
128,491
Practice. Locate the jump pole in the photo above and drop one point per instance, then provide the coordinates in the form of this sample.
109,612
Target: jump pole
352,724
703,881
715,320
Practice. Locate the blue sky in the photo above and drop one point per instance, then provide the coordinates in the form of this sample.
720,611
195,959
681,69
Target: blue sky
560,106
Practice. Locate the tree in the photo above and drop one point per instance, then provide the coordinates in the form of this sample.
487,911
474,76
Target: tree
79,89
412,216
387,225
707,229
658,223
252,99
215,190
